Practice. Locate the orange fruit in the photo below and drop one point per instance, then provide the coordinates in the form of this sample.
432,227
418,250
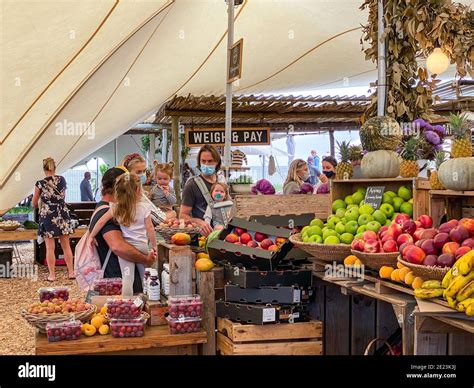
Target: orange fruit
403,272
400,265
90,330
409,278
103,310
417,282
97,321
385,272
357,263
395,275
104,329
350,260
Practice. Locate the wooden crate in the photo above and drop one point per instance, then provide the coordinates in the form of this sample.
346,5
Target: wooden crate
445,205
268,205
420,187
303,338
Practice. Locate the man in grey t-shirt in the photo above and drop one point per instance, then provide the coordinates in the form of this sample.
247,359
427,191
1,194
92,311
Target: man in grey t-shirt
86,188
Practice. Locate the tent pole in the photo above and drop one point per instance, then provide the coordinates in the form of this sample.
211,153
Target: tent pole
164,143
117,160
175,148
331,142
151,149
381,64
228,92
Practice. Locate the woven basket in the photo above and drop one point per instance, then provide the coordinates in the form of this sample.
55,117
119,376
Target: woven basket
9,228
323,252
40,321
377,260
425,272
167,233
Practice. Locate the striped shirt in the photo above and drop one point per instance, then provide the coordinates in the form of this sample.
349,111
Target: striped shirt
238,158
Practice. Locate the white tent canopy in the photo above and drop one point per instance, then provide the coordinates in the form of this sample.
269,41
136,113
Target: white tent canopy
76,74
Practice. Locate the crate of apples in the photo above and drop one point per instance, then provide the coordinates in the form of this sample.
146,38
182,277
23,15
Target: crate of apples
110,286
123,308
124,328
60,331
184,325
49,293
187,306
240,236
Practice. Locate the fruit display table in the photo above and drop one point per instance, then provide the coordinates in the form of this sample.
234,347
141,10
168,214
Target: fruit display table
451,204
156,341
32,234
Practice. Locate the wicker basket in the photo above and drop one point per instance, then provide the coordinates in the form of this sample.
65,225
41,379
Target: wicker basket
337,252
167,233
9,228
425,272
40,321
377,260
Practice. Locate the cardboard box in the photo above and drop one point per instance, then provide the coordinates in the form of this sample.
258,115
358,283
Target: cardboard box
245,313
280,295
249,257
293,313
251,279
158,312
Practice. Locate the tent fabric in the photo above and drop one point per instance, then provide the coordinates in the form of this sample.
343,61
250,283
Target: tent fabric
76,74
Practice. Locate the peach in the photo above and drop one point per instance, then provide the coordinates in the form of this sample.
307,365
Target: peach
459,234
358,245
468,223
409,227
372,246
468,243
414,254
280,241
440,240
395,230
382,230
252,244
418,233
447,226
403,246
429,233
429,247
232,238
461,251
404,238
390,246
266,243
369,235
450,247
401,218
273,248
418,224
387,237
245,238
426,221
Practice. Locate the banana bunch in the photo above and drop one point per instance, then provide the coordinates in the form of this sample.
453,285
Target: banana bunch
458,285
429,289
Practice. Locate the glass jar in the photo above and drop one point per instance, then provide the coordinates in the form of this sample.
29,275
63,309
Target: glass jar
154,287
146,277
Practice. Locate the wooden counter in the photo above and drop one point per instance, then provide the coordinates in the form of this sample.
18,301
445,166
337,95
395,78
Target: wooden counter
32,234
156,341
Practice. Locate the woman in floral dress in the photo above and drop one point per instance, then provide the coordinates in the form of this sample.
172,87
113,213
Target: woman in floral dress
54,219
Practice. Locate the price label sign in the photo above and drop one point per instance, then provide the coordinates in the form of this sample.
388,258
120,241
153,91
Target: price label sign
373,196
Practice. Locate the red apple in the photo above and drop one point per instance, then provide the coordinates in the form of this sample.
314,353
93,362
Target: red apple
414,254
430,260
266,243
387,237
259,237
418,233
441,239
468,223
401,218
418,224
468,243
461,251
369,235
372,246
245,238
447,226
426,221
232,238
358,245
382,230
403,238
429,247
451,247
239,231
390,246
252,244
408,227
395,230
459,234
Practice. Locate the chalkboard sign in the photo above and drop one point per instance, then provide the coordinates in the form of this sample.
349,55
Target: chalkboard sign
373,196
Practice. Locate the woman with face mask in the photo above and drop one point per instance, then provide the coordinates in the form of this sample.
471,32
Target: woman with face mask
329,165
298,177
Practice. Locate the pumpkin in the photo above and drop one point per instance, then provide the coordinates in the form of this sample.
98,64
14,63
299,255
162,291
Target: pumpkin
380,164
457,174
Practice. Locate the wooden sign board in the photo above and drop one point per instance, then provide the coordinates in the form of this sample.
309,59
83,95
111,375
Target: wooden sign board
216,136
235,64
373,196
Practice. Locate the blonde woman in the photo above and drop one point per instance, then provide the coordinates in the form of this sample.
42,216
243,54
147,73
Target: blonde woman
134,216
54,218
298,174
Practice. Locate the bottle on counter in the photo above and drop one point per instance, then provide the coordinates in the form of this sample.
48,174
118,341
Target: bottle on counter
154,287
165,279
146,277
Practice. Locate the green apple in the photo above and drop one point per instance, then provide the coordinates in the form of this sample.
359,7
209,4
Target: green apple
344,220
351,227
374,226
340,228
314,230
349,201
346,238
358,236
362,203
340,213
361,229
362,190
332,240
305,239
387,209
352,214
364,219
388,223
305,229
397,202
317,222
405,192
391,193
410,200
315,239
324,229
380,217
353,207
357,197
407,208
366,209
332,221
338,204
386,198
328,233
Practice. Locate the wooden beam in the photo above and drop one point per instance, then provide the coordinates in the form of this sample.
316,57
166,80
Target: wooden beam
331,142
176,157
261,115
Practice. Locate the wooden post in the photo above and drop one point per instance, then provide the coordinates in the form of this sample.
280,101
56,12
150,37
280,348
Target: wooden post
331,142
206,290
151,150
362,323
176,157
164,145
181,271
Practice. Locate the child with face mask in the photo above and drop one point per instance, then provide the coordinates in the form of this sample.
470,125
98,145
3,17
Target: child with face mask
298,176
218,213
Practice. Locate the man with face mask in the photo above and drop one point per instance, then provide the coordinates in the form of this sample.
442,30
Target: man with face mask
196,192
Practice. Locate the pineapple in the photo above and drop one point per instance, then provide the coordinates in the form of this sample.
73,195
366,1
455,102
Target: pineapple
435,183
461,145
409,166
355,153
344,168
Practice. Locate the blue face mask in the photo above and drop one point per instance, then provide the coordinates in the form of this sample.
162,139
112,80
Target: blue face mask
208,170
218,196
142,179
